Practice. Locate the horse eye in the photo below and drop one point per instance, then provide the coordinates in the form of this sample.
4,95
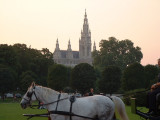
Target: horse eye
29,94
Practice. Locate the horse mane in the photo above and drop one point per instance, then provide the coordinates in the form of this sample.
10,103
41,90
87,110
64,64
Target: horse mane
47,91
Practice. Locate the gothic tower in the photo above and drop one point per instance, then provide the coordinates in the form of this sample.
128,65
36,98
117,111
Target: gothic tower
70,57
69,54
57,50
94,46
85,41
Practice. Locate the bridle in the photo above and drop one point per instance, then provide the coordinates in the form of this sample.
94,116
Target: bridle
29,95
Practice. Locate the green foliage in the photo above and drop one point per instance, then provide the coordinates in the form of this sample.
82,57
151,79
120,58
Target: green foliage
133,77
58,77
115,52
139,94
7,79
83,77
151,73
8,56
27,78
22,59
110,81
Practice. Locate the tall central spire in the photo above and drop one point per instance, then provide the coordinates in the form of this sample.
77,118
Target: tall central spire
85,19
85,30
85,14
85,41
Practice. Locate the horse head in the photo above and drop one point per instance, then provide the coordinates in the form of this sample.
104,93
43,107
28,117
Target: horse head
29,96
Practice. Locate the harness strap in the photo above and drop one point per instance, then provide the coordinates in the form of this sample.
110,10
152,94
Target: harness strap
58,101
71,110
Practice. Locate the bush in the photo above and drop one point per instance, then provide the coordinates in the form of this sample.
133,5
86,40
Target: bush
139,94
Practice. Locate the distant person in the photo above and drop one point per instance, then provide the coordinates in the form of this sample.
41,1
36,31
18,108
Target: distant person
14,98
91,92
151,96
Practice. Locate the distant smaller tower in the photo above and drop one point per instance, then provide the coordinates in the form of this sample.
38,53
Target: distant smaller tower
57,53
94,46
69,54
69,46
57,45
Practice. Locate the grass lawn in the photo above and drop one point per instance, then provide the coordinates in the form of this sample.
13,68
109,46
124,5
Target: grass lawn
13,111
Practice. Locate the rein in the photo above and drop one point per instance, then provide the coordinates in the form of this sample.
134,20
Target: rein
128,94
48,103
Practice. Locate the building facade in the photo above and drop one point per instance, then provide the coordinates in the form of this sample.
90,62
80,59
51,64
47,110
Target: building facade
72,58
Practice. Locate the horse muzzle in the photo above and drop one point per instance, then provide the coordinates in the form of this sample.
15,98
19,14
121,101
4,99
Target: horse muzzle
24,105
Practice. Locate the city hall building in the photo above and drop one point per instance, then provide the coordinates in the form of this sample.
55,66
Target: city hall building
72,58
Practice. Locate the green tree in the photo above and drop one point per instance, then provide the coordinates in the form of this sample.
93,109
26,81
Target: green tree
46,53
151,73
21,59
118,53
27,78
133,77
37,61
42,65
83,77
7,79
23,56
110,81
58,77
8,56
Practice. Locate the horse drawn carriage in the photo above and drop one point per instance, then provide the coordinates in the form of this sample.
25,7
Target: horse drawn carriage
146,115
61,106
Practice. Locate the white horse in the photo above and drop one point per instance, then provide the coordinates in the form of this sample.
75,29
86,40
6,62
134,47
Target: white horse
95,107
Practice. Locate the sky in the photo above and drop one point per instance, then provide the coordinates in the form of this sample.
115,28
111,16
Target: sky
38,23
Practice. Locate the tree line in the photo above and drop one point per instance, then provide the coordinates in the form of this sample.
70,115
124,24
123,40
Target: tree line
116,68
20,65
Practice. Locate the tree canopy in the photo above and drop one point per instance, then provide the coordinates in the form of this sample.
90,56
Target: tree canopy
27,78
110,81
83,77
20,59
133,77
118,53
151,75
58,77
7,79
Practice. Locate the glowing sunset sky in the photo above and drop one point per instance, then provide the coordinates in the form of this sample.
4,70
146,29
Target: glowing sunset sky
40,22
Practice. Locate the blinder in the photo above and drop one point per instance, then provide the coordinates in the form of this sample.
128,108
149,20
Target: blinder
29,94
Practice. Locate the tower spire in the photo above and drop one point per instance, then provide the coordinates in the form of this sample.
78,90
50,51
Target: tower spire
85,41
85,24
69,45
85,14
57,45
94,46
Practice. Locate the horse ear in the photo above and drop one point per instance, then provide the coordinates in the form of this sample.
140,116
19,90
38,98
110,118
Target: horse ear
33,84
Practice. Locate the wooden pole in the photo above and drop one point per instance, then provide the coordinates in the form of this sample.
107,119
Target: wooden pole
133,105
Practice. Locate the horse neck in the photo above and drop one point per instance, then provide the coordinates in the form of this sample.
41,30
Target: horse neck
46,95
